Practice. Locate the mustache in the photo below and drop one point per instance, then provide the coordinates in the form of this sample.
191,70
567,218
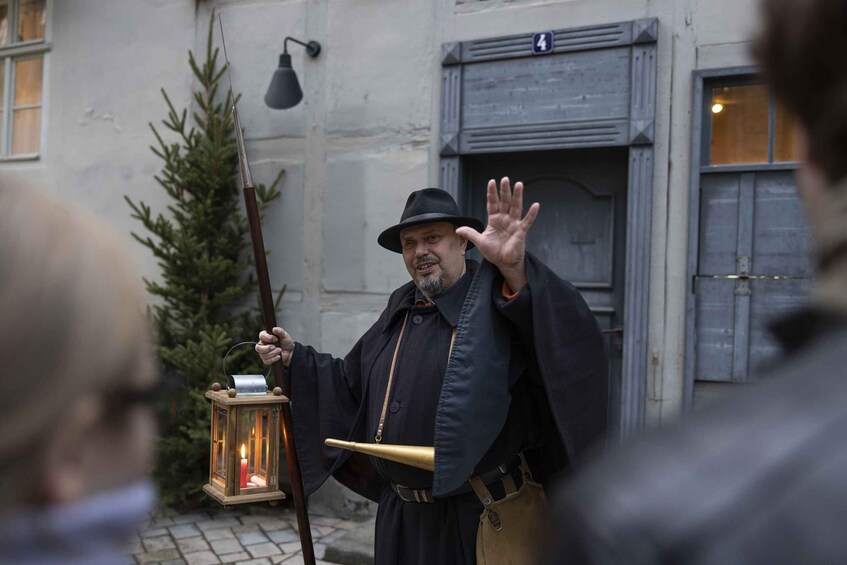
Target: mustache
425,259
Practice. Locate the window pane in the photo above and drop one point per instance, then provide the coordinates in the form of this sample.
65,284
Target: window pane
31,20
28,75
739,124
2,82
783,142
2,101
4,24
219,438
26,131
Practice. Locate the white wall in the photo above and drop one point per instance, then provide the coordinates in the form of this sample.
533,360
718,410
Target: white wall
363,138
104,71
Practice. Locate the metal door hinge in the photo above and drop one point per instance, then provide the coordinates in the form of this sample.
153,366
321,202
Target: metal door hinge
743,266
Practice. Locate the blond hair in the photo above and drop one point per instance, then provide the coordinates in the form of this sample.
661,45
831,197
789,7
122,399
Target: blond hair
71,315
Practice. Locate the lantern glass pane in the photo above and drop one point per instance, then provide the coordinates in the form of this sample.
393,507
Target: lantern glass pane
246,428
219,439
253,430
263,457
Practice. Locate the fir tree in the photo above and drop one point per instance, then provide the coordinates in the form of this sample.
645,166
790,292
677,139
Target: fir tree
202,247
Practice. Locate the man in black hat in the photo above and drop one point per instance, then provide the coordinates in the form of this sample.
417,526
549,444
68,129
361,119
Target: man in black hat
483,362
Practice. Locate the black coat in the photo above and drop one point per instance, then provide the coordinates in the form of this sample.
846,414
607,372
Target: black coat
524,375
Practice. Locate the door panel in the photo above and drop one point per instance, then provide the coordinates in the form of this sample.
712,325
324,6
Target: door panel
575,235
754,266
715,328
580,231
718,224
781,238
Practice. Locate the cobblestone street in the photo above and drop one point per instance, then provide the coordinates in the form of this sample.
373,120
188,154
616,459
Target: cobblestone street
202,538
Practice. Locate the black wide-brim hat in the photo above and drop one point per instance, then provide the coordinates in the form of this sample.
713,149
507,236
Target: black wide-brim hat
423,207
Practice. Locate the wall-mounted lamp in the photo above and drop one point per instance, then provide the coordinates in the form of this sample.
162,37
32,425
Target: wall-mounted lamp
284,91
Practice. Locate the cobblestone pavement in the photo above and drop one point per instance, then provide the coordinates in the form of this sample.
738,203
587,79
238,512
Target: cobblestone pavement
201,538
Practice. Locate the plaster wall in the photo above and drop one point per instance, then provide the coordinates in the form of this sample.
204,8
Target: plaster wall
373,153
106,65
364,136
381,117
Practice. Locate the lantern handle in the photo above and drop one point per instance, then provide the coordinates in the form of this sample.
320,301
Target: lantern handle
223,361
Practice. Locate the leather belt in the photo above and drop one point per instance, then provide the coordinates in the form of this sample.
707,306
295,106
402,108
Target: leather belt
407,494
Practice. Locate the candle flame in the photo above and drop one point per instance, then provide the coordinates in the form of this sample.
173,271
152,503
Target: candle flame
243,451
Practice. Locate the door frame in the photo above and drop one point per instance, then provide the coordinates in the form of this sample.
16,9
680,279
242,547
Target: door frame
700,138
637,133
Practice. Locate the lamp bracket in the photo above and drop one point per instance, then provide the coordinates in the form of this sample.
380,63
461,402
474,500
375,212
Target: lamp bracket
313,48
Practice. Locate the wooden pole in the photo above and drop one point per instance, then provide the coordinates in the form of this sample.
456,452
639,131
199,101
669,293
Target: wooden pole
269,318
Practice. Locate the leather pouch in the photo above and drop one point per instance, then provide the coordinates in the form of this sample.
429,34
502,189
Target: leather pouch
510,529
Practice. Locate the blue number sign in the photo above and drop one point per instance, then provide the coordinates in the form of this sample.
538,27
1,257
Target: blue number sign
542,43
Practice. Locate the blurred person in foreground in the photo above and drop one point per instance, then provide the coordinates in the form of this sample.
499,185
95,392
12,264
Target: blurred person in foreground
75,370
762,479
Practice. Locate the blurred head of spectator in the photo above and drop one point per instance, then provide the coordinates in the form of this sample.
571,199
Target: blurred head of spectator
800,48
75,374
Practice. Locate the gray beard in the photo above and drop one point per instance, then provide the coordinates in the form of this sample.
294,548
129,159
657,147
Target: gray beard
432,286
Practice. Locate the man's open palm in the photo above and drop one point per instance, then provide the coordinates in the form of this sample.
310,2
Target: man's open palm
503,243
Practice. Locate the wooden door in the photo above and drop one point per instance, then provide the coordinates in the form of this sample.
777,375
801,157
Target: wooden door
750,253
753,267
580,231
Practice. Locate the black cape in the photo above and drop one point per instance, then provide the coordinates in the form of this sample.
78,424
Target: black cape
566,358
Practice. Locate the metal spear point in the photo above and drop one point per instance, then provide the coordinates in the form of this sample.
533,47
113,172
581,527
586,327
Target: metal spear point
269,318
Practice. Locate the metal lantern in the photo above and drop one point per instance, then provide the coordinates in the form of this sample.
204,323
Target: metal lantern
244,462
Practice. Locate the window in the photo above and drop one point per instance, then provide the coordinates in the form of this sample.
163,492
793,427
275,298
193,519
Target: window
23,44
746,126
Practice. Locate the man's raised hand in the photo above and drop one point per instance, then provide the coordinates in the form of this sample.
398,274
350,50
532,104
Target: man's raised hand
276,347
503,243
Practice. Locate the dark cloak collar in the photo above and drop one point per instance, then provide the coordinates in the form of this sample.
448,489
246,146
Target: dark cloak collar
449,303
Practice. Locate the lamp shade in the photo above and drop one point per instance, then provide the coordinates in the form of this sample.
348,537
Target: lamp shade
284,90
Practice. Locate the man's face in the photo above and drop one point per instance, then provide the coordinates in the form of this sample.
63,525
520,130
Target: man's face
434,256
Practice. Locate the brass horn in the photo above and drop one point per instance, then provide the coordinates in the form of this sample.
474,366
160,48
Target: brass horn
418,456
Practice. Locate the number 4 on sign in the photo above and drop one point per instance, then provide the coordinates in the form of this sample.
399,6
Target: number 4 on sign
542,43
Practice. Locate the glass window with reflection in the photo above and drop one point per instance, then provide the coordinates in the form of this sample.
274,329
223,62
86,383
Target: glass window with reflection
23,45
747,126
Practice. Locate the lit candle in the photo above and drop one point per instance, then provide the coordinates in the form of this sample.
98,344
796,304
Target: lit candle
243,467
